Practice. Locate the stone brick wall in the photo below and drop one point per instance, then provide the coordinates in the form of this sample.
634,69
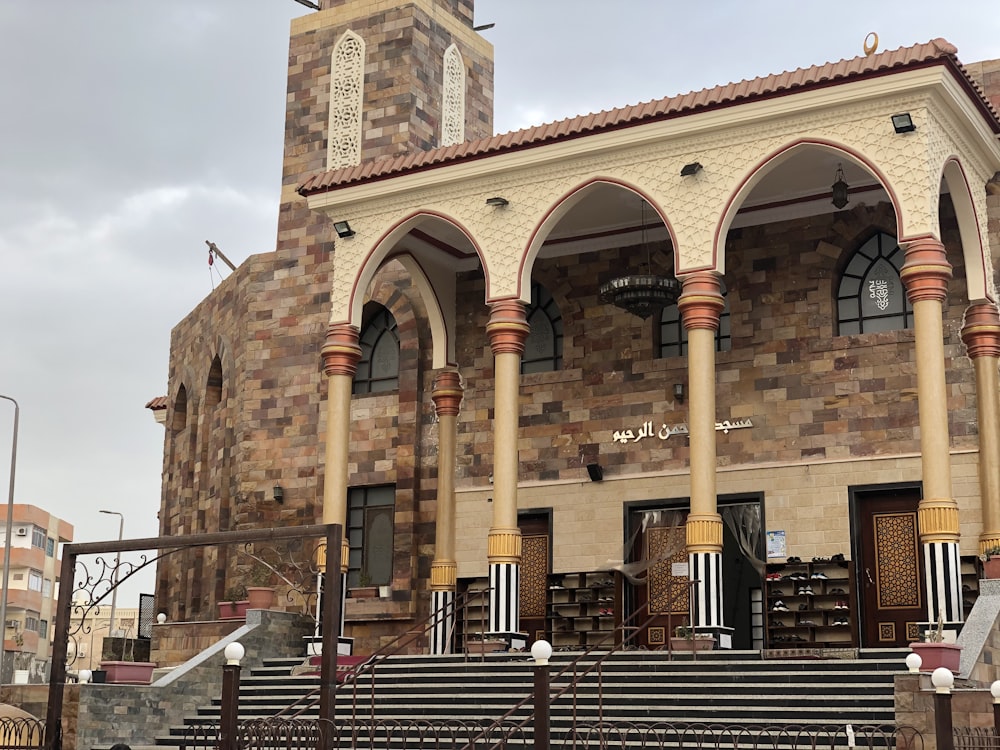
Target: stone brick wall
138,713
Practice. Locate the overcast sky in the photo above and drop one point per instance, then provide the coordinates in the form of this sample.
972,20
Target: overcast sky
134,130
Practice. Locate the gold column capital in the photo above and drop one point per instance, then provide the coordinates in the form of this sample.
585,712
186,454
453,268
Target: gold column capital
504,546
444,574
938,520
704,532
447,393
341,352
926,270
981,332
508,327
701,302
345,555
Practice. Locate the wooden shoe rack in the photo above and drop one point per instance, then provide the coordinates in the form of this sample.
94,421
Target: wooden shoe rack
825,618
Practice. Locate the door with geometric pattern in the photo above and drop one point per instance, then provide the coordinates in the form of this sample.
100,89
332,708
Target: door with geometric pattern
889,567
535,568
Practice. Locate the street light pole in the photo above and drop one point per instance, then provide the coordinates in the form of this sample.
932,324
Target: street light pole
114,576
10,525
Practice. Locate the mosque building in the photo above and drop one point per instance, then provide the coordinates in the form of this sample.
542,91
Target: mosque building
728,357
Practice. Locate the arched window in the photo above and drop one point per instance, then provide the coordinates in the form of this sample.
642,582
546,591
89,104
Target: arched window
378,370
871,296
453,114
673,336
179,421
213,388
347,85
543,348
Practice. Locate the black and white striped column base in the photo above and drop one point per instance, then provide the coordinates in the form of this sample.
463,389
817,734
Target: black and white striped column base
943,579
505,580
443,607
705,572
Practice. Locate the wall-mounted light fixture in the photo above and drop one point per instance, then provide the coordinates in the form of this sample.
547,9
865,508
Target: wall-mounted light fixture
497,202
679,391
903,123
595,472
343,229
279,494
839,188
689,169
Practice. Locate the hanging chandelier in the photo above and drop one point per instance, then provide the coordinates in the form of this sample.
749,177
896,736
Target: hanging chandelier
643,293
839,188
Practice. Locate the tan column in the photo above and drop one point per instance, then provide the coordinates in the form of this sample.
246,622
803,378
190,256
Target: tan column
925,274
981,334
341,354
701,305
507,331
447,397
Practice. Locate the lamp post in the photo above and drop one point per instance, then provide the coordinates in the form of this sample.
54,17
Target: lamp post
541,652
114,576
10,525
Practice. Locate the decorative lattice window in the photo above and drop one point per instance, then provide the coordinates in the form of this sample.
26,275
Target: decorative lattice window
871,296
347,83
672,335
370,512
453,115
543,347
378,369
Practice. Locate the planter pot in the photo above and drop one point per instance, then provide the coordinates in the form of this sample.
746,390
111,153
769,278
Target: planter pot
233,610
692,644
991,568
484,647
934,655
128,672
261,597
363,592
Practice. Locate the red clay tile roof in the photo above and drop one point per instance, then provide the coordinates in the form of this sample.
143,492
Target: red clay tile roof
936,51
160,402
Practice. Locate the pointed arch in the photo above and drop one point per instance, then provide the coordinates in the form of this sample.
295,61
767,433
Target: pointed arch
559,208
178,420
434,280
347,88
769,162
453,98
979,279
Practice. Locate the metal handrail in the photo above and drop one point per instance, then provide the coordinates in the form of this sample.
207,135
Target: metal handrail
308,701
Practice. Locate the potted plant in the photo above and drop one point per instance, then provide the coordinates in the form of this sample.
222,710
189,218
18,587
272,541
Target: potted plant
685,639
120,665
259,594
484,643
991,562
236,604
364,589
934,652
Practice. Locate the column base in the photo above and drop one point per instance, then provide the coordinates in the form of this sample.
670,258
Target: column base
723,636
314,645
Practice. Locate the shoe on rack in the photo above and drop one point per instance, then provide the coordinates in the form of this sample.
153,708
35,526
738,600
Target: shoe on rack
807,624
839,557
794,560
837,591
819,576
779,606
821,559
803,607
777,592
805,591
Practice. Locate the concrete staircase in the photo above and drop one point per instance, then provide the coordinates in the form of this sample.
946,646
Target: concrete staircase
732,688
